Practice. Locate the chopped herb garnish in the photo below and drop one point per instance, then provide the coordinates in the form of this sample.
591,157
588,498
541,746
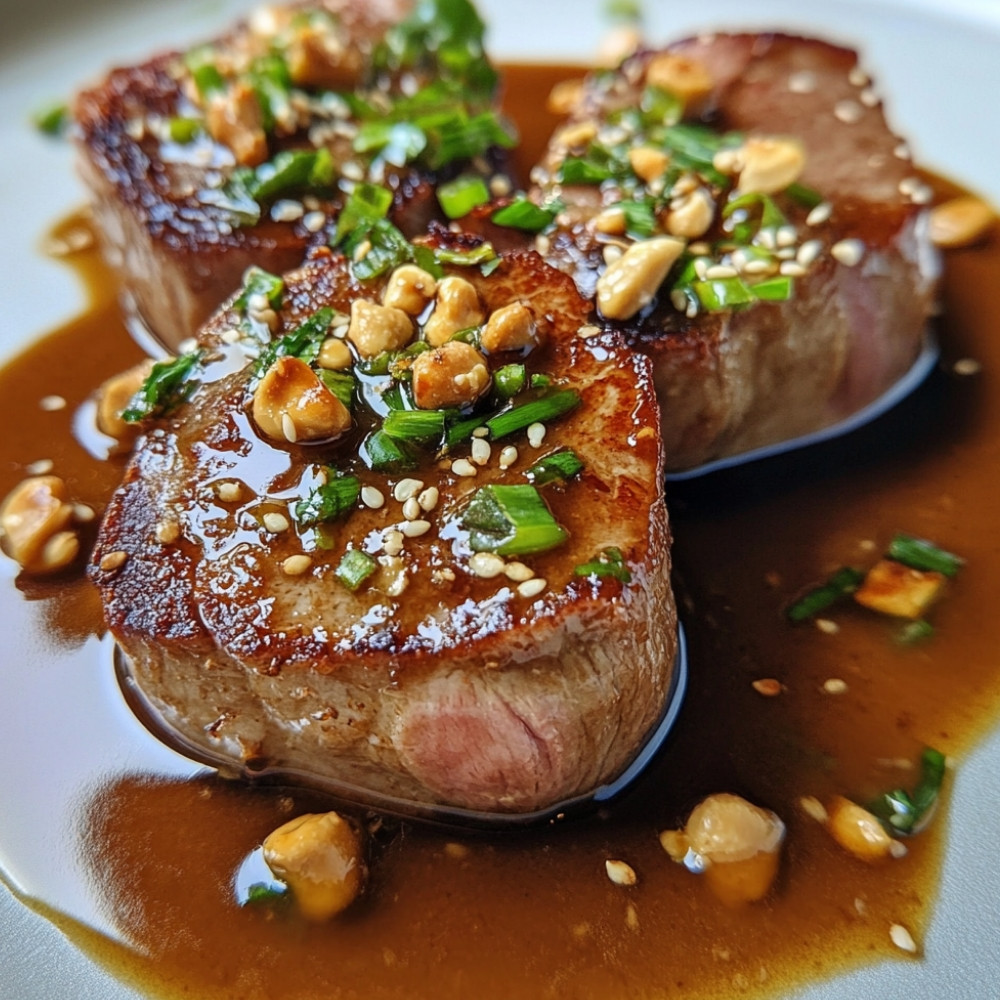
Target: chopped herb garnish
536,411
303,342
168,385
382,453
355,567
511,520
524,214
414,425
484,255
333,499
462,195
341,384
184,130
777,289
509,380
397,143
557,467
914,632
640,216
52,119
805,196
842,584
367,204
611,562
917,553
723,293
260,893
257,281
906,813
201,64
385,248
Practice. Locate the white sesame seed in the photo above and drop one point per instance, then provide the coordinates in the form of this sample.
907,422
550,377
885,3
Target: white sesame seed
463,467
699,249
275,522
792,269
848,252
40,468
446,575
405,489
481,432
620,872
898,849
352,171
50,403
588,331
701,266
767,238
678,300
902,151
167,532
786,253
83,513
288,428
428,500
835,686
393,542
858,77
287,210
757,266
536,434
187,345
414,529
802,82
718,271
518,572
481,451
372,497
508,457
818,215
869,98
113,561
902,938
230,336
296,565
848,112
532,588
543,244
499,186
314,221
787,236
228,491
967,366
486,565
611,253
809,252
412,509
826,626
813,808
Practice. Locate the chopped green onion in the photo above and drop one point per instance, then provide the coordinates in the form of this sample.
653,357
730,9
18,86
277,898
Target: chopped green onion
183,130
205,74
355,567
537,411
640,216
511,520
806,196
462,195
261,893
381,453
483,254
335,498
397,143
560,465
52,118
843,583
581,170
914,632
524,214
905,813
723,293
611,562
462,430
303,342
462,137
778,289
387,249
414,425
367,204
541,381
509,380
168,385
341,384
257,281
917,553
660,107
293,170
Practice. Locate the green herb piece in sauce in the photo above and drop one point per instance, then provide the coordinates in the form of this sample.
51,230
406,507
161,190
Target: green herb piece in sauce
184,130
918,553
841,584
354,568
557,467
509,380
303,342
257,281
524,214
906,813
536,411
462,195
263,894
384,453
168,385
610,562
414,425
52,118
332,500
341,384
511,520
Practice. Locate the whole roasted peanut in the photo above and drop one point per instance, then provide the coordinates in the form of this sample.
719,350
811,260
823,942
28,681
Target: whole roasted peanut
409,288
320,857
291,404
857,830
961,222
376,328
334,355
457,308
648,164
453,374
510,328
114,396
767,165
692,215
34,522
685,77
630,282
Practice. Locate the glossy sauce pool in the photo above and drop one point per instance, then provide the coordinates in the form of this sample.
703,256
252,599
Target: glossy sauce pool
150,845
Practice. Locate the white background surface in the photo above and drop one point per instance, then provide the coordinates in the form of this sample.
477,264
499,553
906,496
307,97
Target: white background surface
940,66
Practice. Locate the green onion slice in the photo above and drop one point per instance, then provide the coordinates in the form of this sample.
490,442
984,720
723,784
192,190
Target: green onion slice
257,281
355,567
559,466
341,384
509,380
511,520
52,119
168,385
843,583
906,813
537,411
524,214
462,195
610,562
414,425
303,342
918,553
381,452
335,498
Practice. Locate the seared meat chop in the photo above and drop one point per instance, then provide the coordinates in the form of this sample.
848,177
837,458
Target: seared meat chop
502,682
830,205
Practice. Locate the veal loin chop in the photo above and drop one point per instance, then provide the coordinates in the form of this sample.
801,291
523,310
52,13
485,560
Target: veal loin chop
392,641
803,276
235,153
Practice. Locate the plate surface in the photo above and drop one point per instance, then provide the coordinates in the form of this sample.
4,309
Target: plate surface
938,63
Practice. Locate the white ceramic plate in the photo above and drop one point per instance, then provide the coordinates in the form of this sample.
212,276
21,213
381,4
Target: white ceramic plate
940,65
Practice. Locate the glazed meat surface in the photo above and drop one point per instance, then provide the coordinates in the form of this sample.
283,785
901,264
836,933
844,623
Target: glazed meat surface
453,673
239,152
803,276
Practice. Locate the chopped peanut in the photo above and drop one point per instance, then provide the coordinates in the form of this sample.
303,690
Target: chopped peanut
630,282
687,78
334,355
34,519
318,59
510,328
576,135
320,857
409,288
961,222
895,589
857,830
769,165
648,164
375,328
565,97
692,216
457,308
234,118
453,374
292,404
113,397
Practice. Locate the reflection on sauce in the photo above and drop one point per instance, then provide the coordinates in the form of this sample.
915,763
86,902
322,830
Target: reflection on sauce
533,914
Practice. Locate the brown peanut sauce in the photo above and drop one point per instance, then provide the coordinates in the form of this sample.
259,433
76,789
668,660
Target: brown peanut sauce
533,914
